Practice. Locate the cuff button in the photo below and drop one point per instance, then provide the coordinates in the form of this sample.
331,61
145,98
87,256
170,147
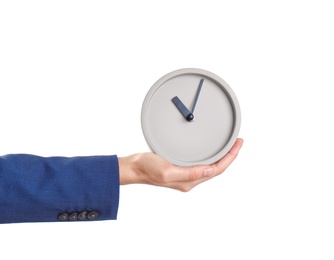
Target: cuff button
63,216
82,215
92,215
73,216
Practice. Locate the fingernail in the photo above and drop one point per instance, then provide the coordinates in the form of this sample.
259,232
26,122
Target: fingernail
208,172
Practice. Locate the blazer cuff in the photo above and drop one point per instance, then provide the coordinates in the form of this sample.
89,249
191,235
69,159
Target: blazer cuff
41,189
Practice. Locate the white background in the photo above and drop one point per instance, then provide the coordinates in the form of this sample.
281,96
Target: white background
73,75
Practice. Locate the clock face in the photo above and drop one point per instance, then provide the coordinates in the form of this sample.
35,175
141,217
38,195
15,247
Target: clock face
191,117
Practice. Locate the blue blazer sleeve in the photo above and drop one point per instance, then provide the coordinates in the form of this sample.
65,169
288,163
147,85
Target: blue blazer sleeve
42,189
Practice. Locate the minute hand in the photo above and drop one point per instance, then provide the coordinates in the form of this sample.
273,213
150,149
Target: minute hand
197,95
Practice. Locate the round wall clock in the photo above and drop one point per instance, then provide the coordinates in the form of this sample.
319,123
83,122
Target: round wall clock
190,117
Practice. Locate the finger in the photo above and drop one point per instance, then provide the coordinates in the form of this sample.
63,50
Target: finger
226,161
209,172
200,173
187,174
204,172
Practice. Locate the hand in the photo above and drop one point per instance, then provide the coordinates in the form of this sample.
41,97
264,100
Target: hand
149,168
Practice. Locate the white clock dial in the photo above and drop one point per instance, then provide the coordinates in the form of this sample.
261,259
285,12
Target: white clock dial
211,132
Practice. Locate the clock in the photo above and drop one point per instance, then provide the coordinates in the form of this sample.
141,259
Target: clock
190,117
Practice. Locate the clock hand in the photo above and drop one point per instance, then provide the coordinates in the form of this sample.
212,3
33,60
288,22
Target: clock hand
183,109
197,95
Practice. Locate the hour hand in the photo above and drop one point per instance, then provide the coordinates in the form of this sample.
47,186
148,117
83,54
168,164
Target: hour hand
183,109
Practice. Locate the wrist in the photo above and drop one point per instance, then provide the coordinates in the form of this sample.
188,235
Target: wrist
128,172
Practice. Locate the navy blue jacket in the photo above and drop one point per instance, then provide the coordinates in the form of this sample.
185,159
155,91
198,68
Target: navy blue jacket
45,189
